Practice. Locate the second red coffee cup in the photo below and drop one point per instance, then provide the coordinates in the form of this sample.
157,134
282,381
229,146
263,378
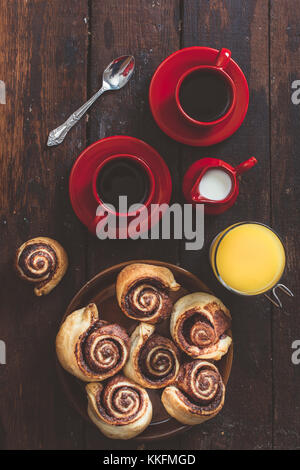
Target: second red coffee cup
123,175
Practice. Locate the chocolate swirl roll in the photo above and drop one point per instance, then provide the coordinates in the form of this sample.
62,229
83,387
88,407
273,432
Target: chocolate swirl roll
199,325
42,261
143,292
89,348
153,360
121,409
198,394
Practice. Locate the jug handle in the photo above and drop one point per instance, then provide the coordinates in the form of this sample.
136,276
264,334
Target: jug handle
245,166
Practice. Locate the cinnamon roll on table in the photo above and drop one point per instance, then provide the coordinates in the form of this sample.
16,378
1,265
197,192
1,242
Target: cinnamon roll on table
42,261
121,409
199,325
89,348
153,360
143,292
198,394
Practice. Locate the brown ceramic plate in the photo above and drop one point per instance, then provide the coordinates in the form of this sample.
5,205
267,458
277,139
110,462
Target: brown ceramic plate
101,291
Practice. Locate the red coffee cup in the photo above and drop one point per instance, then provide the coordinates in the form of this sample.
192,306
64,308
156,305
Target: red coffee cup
218,68
105,208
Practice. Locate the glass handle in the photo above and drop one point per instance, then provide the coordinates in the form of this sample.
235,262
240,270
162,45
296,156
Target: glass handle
277,302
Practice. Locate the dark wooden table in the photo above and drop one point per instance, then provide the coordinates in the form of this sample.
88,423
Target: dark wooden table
52,56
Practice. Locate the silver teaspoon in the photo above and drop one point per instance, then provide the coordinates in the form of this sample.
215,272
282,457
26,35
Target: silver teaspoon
115,76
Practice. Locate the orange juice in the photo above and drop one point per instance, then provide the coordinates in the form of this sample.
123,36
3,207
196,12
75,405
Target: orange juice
248,258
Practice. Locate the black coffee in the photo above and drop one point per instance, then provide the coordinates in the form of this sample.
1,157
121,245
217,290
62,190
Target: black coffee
205,95
122,177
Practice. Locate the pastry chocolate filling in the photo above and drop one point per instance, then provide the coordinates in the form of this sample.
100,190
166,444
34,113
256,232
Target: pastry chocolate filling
153,296
107,409
204,334
46,257
114,348
200,388
198,407
196,331
157,360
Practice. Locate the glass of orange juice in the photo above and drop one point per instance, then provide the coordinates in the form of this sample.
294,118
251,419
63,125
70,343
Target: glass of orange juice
248,258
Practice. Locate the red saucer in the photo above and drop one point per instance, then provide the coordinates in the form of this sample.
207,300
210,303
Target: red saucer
80,183
163,104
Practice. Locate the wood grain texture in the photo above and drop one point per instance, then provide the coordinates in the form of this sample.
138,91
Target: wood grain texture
43,63
52,58
285,177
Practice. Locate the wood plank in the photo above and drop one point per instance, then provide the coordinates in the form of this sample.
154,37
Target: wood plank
48,74
246,421
150,31
285,175
43,64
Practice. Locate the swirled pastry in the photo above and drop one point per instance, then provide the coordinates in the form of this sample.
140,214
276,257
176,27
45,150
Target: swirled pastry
198,395
198,326
153,359
121,409
89,348
143,292
42,261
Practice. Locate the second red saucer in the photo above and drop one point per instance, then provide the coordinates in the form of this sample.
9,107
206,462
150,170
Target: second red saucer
83,171
163,103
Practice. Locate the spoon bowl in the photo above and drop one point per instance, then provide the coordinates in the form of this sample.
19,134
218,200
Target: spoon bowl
118,72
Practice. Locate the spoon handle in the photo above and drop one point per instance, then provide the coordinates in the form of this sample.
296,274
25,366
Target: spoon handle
57,135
